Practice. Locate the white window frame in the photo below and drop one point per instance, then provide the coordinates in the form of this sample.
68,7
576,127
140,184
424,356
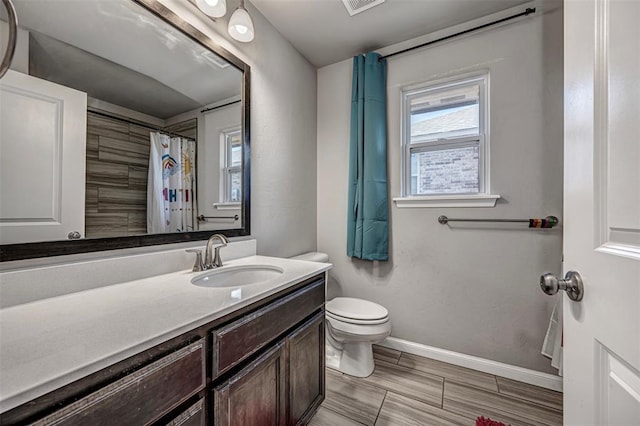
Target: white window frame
482,198
226,169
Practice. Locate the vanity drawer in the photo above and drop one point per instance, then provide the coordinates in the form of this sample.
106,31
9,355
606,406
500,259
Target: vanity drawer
238,340
192,416
141,397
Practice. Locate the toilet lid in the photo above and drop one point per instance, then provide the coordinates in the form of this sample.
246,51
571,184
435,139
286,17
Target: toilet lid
349,307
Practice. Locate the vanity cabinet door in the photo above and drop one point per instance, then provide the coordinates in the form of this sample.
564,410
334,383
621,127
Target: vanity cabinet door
256,395
305,347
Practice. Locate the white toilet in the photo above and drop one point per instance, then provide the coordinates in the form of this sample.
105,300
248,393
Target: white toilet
352,326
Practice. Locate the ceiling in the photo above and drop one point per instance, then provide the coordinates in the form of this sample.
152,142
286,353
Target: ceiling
324,33
117,52
102,79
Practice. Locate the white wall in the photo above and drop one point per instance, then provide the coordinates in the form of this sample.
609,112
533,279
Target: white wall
468,289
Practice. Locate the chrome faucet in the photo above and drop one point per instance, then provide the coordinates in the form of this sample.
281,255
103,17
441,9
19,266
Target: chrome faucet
212,260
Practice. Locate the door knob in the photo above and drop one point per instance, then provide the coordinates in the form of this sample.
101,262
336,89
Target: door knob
572,284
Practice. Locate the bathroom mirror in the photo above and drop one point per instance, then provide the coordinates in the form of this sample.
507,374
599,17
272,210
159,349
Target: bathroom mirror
121,126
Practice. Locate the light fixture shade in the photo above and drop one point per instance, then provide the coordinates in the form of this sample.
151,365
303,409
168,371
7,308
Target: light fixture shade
241,25
213,8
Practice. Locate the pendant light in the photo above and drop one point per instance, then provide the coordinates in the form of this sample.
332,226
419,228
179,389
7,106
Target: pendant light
241,25
213,8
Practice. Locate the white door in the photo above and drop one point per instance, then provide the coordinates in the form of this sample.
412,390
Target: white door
43,129
602,211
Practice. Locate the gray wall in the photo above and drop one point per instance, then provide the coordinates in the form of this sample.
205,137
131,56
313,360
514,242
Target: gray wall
469,289
283,132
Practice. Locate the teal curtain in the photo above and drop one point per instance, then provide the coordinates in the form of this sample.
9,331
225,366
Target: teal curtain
367,226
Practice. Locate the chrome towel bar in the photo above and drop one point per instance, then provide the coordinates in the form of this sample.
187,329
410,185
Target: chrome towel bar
203,218
547,222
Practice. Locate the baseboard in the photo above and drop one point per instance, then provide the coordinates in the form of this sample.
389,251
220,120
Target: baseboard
525,375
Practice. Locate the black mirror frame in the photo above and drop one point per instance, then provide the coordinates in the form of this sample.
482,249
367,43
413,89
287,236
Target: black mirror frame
10,252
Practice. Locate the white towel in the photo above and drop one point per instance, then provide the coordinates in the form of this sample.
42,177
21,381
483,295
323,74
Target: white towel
552,344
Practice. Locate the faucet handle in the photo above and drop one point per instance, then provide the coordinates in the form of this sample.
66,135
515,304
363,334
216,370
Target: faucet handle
217,260
199,265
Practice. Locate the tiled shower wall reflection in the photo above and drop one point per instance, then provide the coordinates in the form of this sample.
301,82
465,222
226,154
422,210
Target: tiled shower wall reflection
117,168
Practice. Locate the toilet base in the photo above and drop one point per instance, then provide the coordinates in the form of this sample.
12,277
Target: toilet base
332,357
355,359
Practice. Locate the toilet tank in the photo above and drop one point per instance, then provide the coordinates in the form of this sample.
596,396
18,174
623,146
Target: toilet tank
313,256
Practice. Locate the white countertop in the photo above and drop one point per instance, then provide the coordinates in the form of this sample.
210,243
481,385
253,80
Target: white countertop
49,343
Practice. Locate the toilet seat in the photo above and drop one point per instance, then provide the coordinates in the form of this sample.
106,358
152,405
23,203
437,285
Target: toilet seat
356,311
357,321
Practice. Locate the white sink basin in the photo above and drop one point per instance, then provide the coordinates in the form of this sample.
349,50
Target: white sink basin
236,276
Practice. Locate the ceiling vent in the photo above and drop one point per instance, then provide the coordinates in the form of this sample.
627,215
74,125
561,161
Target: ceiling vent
357,6
214,59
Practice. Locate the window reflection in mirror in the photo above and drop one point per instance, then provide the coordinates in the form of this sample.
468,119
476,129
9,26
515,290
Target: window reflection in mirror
232,167
220,186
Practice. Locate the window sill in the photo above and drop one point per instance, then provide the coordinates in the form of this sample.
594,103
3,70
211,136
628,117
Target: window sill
226,206
482,200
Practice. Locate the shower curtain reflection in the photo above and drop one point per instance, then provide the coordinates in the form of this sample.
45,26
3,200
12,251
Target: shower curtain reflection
171,186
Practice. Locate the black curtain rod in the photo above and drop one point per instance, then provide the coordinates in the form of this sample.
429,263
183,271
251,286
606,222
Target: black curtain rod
126,120
219,106
135,122
527,11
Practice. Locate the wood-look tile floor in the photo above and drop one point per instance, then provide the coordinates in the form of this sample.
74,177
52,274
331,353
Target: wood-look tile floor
405,389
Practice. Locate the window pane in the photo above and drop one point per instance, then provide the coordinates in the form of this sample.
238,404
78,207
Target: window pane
445,114
235,185
414,174
236,155
234,149
446,171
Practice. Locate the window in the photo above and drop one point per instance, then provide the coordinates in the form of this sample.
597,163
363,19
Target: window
232,168
445,139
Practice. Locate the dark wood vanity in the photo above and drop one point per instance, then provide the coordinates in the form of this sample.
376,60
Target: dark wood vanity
262,364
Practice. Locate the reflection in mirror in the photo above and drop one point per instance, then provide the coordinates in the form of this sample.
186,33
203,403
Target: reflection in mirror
114,123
